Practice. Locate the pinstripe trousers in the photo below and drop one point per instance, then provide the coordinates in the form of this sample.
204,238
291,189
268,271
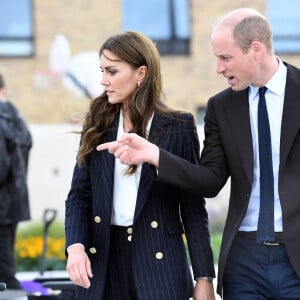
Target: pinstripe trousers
119,281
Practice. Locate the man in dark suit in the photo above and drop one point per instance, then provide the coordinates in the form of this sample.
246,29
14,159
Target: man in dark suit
250,267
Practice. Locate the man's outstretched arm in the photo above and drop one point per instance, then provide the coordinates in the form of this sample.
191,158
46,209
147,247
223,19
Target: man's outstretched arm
132,149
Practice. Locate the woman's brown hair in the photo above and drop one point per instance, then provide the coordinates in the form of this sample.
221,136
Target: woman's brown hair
137,50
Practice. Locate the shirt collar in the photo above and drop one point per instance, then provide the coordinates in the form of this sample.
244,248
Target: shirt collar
276,84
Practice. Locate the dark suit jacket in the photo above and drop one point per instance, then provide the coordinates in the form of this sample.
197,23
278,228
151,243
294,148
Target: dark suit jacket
228,151
89,208
15,145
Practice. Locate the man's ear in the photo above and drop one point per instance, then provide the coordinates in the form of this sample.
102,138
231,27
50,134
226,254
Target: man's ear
257,48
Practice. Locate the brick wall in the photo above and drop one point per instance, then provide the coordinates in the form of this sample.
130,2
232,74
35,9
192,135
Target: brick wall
42,98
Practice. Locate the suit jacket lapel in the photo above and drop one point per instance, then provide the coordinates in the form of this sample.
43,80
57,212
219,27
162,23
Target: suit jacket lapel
237,112
290,116
106,166
241,130
158,135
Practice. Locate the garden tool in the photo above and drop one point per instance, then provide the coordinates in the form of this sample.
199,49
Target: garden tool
48,217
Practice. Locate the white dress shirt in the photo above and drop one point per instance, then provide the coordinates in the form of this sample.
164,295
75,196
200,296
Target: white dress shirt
125,187
274,101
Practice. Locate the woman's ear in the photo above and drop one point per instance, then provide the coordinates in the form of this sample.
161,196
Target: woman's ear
141,73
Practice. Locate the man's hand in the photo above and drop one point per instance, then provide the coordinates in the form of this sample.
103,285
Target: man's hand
79,266
132,149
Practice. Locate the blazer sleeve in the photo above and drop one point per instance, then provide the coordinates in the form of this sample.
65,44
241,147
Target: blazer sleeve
193,212
206,179
78,207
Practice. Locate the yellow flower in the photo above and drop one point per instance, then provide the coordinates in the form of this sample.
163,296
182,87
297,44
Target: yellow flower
29,249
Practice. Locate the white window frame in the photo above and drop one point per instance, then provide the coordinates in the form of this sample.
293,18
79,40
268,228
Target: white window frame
16,28
166,22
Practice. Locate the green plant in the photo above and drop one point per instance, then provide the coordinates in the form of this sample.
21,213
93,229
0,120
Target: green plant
215,244
216,239
29,247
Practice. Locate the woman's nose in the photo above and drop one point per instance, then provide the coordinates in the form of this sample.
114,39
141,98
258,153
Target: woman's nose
104,80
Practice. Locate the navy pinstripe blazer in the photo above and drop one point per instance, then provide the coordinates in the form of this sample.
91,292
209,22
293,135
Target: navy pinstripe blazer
89,208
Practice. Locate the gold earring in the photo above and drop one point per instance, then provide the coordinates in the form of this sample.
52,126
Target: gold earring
138,84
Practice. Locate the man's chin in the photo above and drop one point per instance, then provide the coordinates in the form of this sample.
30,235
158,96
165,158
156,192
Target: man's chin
238,88
234,88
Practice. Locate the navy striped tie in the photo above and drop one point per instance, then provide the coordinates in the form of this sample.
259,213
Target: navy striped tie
265,228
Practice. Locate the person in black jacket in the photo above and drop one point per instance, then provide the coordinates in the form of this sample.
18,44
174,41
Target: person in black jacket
15,144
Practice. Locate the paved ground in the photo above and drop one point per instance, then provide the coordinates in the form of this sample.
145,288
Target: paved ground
26,278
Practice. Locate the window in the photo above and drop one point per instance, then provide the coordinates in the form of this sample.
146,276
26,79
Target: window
16,28
285,21
166,22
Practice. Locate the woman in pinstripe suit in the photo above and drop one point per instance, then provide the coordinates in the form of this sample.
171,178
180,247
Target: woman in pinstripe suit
123,234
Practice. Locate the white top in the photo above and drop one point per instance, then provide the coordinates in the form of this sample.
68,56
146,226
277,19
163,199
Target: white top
274,101
125,186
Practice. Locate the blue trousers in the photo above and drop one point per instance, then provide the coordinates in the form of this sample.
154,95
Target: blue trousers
257,271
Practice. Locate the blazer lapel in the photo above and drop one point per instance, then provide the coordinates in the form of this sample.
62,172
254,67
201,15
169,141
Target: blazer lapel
290,116
237,112
158,135
106,166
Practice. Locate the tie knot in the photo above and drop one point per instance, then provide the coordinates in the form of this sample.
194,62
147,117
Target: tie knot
262,91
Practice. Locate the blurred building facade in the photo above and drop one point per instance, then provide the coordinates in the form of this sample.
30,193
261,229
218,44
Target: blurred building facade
36,86
189,79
